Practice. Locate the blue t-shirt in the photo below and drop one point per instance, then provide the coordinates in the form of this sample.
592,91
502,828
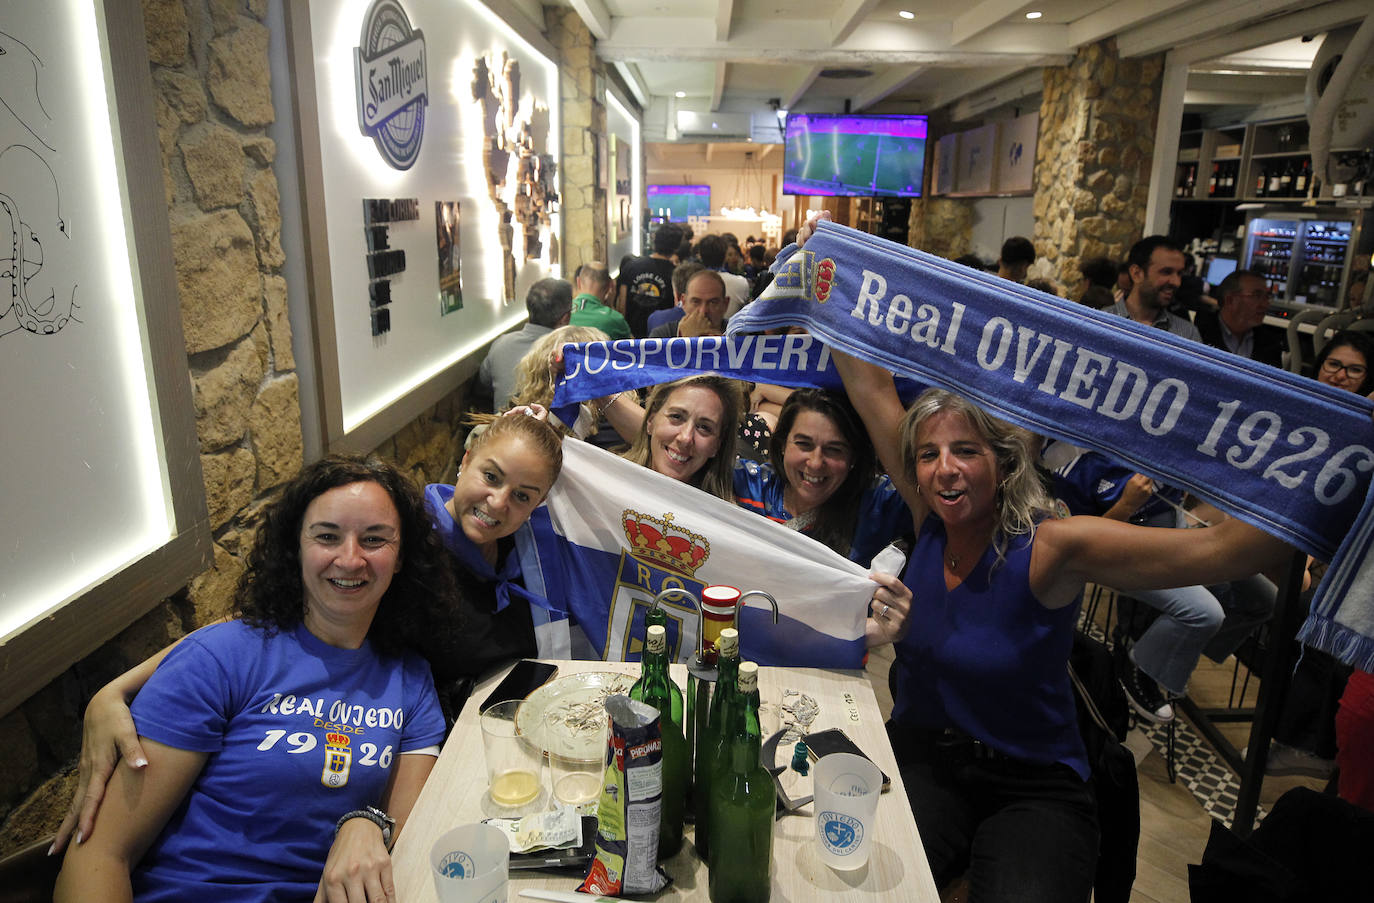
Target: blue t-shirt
882,517
1089,482
986,657
298,733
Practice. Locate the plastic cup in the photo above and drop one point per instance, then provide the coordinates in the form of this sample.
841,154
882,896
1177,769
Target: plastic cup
470,864
846,788
515,766
578,765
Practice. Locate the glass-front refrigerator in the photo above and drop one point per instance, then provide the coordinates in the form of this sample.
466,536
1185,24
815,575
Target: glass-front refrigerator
1305,255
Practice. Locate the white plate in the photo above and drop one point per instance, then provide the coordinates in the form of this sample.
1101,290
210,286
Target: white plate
566,715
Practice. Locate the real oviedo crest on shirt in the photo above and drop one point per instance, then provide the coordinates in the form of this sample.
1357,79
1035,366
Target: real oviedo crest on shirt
389,65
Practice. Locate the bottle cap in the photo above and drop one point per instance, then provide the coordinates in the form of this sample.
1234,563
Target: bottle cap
728,644
656,640
748,677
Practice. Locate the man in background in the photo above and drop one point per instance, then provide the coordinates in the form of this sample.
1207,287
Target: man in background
589,308
1238,325
1156,268
549,304
645,284
1016,258
703,308
711,254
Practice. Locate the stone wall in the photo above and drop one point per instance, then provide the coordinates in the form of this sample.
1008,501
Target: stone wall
211,83
1092,161
584,137
941,226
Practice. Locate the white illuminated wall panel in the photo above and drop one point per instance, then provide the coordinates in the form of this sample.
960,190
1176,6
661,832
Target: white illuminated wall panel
428,331
84,488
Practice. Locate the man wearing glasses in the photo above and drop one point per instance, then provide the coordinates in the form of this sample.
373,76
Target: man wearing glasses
1238,325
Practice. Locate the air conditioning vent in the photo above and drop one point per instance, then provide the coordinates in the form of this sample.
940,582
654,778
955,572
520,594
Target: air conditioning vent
714,126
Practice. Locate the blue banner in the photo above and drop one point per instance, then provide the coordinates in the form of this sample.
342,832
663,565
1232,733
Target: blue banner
1287,454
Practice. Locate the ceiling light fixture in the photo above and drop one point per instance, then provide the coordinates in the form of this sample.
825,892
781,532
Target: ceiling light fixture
906,14
1034,15
680,94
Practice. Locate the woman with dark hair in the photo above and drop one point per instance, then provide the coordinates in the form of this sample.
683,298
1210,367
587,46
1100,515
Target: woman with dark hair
310,710
504,476
821,478
1344,362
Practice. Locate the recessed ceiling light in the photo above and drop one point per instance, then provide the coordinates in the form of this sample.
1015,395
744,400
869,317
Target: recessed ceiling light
906,14
1034,15
680,94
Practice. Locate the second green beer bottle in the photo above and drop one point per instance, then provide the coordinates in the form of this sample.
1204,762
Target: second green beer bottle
709,739
743,800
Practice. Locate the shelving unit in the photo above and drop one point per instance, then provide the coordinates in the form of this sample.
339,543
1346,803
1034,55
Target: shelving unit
1241,154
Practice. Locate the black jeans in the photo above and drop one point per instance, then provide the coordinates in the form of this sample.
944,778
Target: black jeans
1020,831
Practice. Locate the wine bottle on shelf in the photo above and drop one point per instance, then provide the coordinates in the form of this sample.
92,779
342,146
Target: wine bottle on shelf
656,688
1303,177
1212,182
1228,181
710,740
743,803
1261,180
1286,180
1275,179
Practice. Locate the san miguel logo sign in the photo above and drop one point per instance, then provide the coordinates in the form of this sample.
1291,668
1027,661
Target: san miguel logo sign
389,63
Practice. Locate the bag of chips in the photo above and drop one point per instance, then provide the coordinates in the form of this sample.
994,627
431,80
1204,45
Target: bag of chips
631,797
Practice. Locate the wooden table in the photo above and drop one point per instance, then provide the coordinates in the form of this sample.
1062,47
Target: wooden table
896,869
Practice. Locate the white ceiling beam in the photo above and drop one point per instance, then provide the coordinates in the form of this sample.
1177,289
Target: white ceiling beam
648,39
894,79
1117,18
633,78
791,96
725,16
973,83
1201,21
718,90
1027,84
595,15
1205,97
848,17
982,17
1312,21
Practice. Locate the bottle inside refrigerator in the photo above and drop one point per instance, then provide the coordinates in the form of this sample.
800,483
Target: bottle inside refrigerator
1303,256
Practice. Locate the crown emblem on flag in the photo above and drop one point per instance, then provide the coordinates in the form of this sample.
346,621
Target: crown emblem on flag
336,739
664,542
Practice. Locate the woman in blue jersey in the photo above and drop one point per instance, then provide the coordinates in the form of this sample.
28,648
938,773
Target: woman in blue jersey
983,721
503,477
821,478
284,747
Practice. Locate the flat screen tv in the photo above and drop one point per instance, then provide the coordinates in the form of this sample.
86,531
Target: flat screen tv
838,154
674,203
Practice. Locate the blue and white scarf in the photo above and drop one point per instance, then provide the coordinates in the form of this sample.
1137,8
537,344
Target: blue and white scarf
1290,455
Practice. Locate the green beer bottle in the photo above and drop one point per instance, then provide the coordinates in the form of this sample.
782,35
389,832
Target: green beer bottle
709,738
743,799
656,688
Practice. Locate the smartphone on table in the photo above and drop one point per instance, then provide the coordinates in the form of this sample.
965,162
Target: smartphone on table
834,740
523,679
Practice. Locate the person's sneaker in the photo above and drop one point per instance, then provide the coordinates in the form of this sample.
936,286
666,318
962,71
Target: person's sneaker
1286,760
1143,693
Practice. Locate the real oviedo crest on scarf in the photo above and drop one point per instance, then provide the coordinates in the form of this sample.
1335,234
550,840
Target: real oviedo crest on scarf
390,69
